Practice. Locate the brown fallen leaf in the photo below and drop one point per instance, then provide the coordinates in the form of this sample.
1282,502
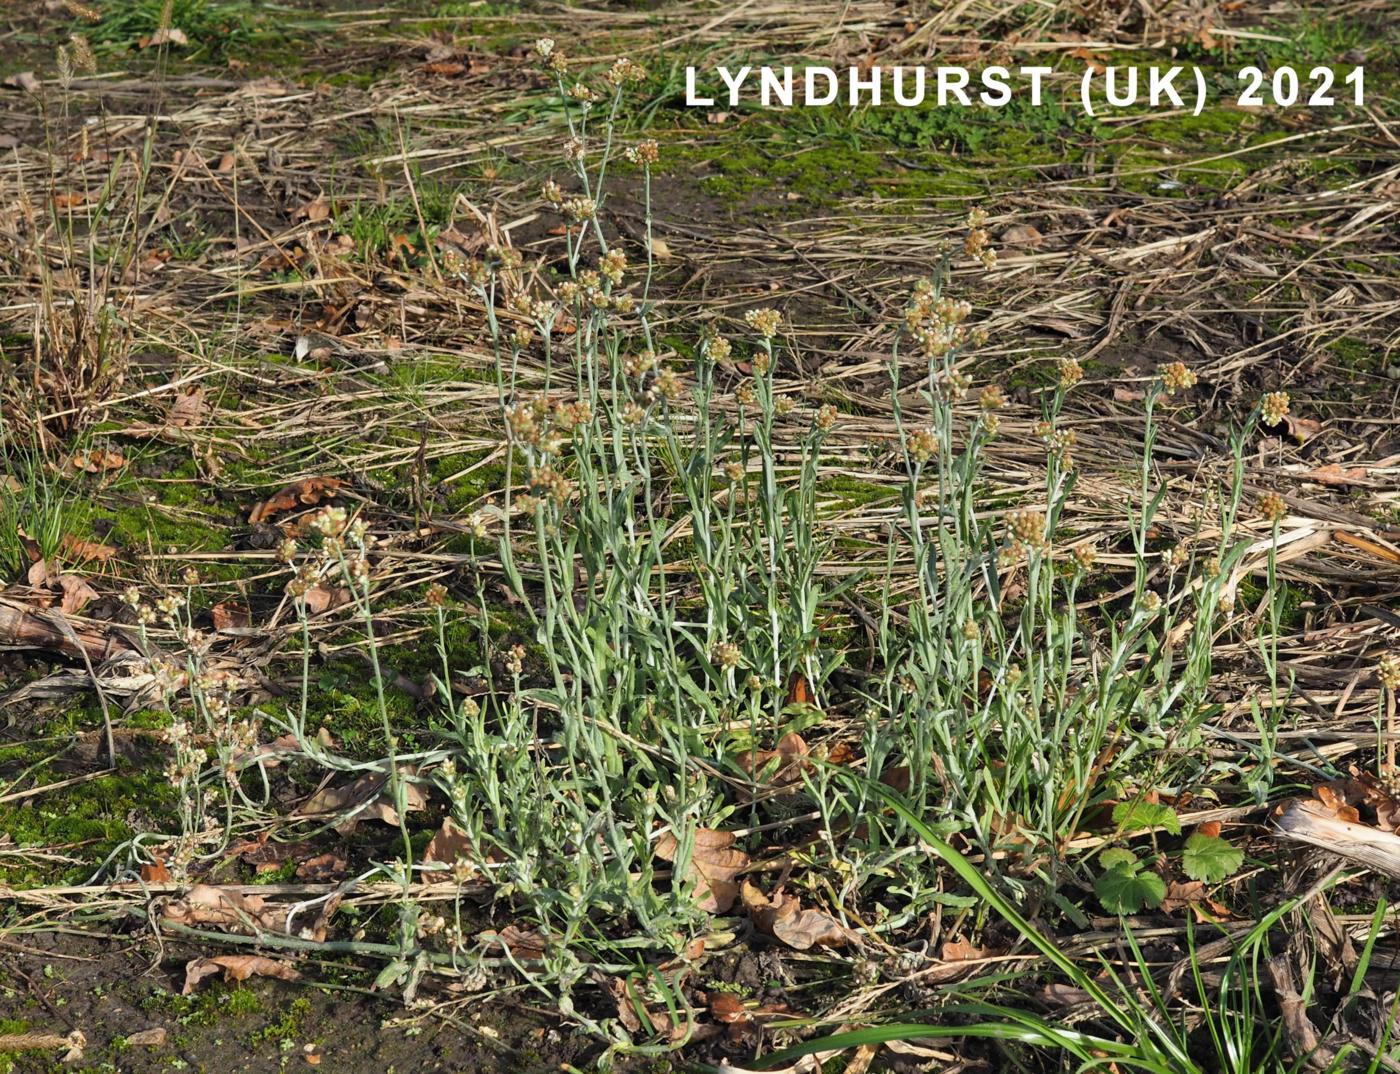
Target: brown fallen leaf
307,492
1301,429
323,598
365,798
155,872
39,574
523,944
728,1008
24,80
780,766
98,461
1336,474
328,866
445,67
783,918
78,550
149,1038
959,949
77,594
228,615
313,211
449,844
1181,893
1025,236
205,904
714,864
166,35
186,410
236,968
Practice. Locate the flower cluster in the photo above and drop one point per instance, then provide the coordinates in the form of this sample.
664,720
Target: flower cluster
1272,507
1071,373
978,242
764,321
624,70
646,153
1274,407
923,445
726,655
936,322
1027,528
1176,377
1388,670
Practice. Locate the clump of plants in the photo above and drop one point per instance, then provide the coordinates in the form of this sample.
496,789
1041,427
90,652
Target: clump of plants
623,767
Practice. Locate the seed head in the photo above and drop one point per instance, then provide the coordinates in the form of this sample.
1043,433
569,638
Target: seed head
1176,377
1272,507
1071,373
552,192
624,70
726,655
1388,670
613,264
825,420
923,445
764,321
645,153
1027,527
991,398
544,47
1274,407
718,349
580,209
744,393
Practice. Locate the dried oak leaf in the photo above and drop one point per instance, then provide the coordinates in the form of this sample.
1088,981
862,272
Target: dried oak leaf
1301,429
327,866
959,949
205,904
79,551
449,844
323,598
523,944
779,766
714,864
229,615
236,968
307,492
783,918
97,461
186,410
76,593
365,798
166,35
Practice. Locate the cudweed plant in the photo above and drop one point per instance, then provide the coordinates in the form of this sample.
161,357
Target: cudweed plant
659,531
1005,709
